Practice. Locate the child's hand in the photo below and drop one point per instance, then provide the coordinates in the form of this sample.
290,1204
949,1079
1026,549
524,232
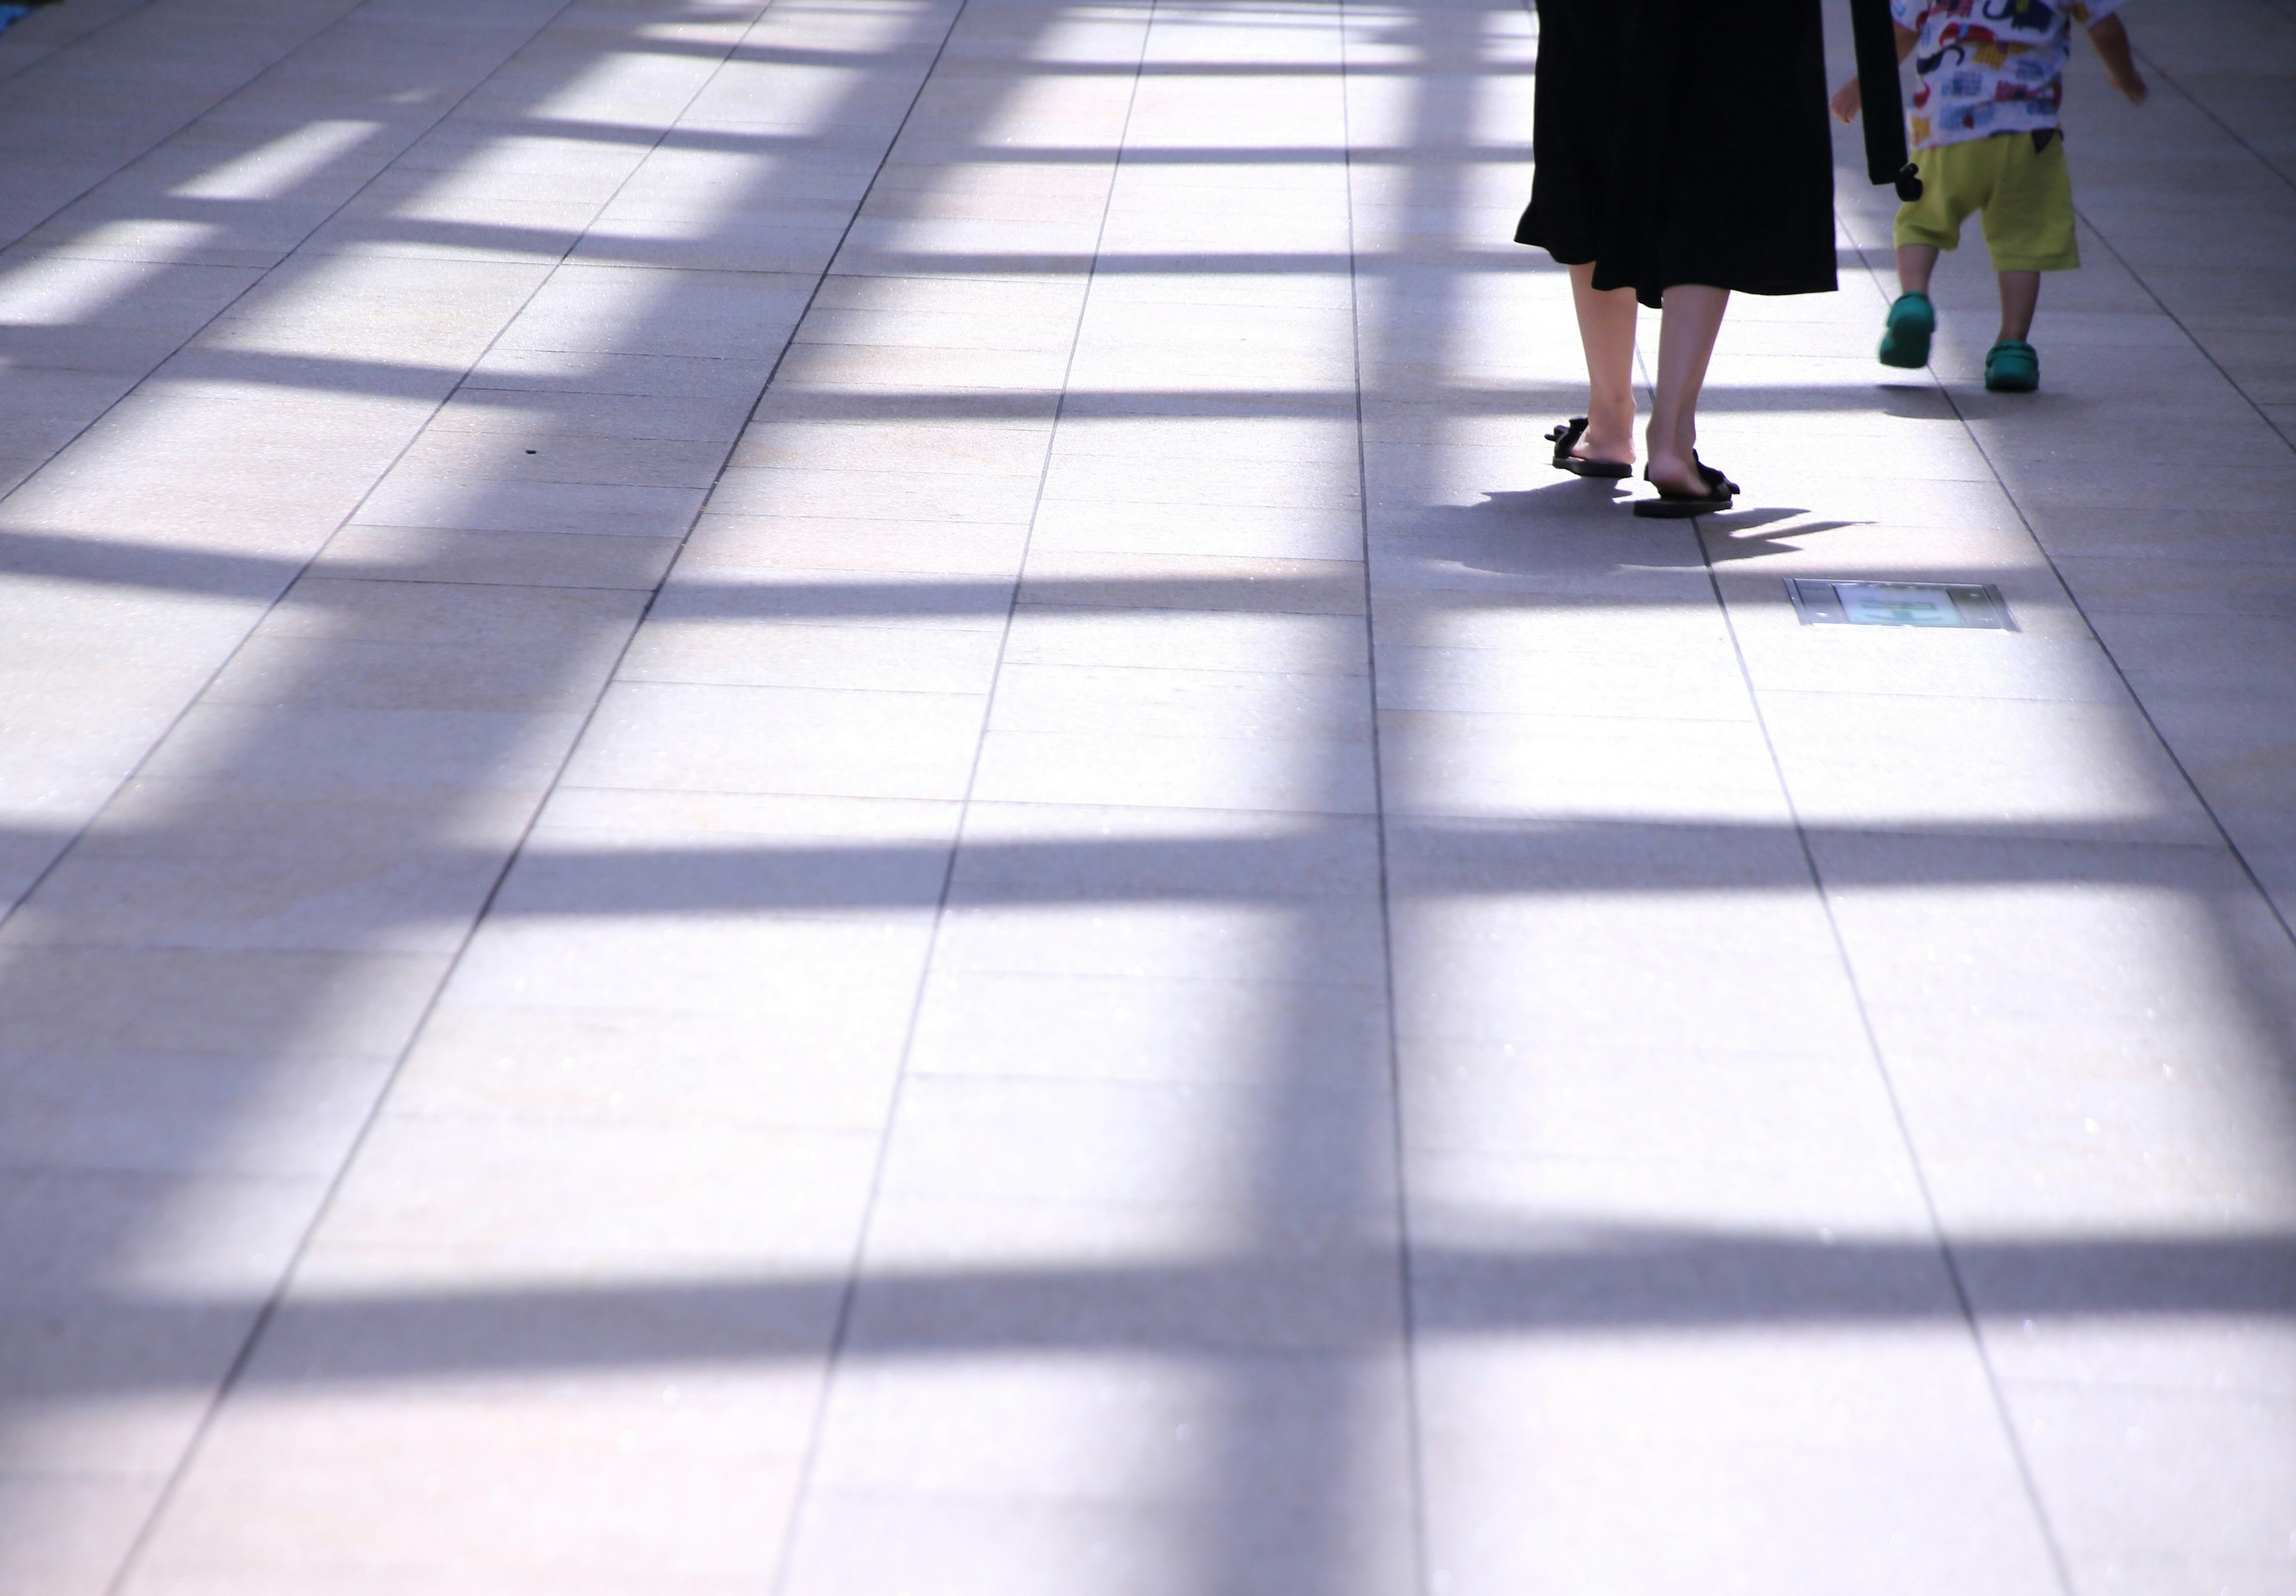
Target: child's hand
2111,37
1847,100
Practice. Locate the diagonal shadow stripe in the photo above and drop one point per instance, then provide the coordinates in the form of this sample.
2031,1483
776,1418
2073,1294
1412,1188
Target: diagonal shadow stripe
1607,1281
749,140
118,562
1434,858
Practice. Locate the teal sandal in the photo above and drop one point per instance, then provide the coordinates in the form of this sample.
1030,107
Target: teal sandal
1906,342
2012,366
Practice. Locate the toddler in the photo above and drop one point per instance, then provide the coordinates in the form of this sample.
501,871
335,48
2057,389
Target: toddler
1985,137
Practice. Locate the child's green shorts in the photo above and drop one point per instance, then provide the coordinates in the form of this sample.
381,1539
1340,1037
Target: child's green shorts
2026,194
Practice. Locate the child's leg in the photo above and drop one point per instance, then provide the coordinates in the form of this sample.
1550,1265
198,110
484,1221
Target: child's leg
2028,225
1915,262
1906,335
2020,295
1924,227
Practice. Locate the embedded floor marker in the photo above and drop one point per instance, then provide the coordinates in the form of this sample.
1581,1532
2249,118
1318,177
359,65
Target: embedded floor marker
1821,603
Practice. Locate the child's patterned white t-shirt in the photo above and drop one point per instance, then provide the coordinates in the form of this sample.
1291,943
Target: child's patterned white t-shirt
1990,66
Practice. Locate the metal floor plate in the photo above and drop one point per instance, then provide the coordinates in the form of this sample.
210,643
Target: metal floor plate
1968,604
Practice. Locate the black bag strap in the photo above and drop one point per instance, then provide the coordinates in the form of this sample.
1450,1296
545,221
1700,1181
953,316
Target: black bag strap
1876,39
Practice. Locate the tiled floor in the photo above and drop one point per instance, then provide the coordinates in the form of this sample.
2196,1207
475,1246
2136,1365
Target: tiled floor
820,797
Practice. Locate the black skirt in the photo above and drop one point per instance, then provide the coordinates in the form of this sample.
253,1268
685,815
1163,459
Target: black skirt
1683,141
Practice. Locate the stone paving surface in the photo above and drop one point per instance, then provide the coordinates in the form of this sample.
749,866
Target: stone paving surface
820,796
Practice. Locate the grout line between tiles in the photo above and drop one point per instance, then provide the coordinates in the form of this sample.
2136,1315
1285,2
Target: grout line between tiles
1878,1061
2272,905
1875,1056
840,1334
234,1373
304,568
2176,320
2152,64
1424,1575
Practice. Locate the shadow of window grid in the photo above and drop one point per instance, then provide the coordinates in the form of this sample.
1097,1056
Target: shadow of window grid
1627,1280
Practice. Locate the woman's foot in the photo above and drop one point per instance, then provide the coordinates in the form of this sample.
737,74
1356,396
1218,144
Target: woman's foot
1699,490
1610,436
1567,457
1686,479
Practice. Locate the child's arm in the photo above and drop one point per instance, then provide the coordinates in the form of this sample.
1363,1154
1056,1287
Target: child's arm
1847,98
2111,42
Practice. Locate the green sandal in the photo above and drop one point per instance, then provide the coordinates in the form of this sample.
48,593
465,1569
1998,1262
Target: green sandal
2012,366
1907,341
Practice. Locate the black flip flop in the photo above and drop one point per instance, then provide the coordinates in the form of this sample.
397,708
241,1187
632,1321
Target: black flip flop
1670,506
1565,439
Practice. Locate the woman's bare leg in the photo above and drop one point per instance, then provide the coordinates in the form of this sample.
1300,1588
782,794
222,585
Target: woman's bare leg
1606,329
1687,328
